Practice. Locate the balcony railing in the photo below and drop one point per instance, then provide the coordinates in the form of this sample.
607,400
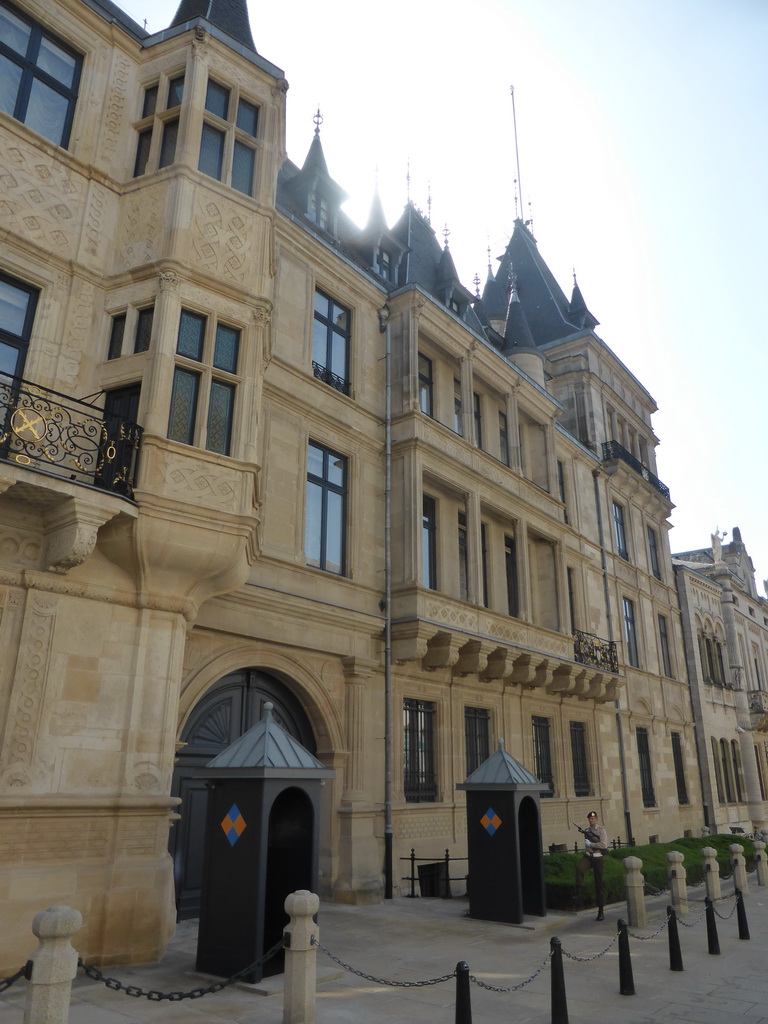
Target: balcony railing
613,450
328,377
71,439
589,649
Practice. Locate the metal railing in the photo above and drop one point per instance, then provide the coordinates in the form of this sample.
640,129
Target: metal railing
589,649
328,377
613,450
50,431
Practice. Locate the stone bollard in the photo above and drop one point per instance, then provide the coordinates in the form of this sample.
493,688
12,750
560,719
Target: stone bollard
739,866
54,965
761,862
678,885
300,984
634,883
711,872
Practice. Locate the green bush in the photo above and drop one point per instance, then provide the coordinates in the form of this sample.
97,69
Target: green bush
560,868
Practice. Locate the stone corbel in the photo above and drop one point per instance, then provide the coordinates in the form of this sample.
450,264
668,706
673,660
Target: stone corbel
71,527
473,658
499,664
562,681
409,641
442,651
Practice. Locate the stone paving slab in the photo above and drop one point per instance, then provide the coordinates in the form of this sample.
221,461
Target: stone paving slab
407,940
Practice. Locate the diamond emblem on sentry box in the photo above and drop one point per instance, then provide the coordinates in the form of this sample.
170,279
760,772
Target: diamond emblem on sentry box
233,824
490,821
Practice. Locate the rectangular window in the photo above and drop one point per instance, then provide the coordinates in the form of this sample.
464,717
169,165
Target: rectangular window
579,759
666,660
144,321
18,303
325,526
211,160
477,724
227,150
484,562
503,439
330,342
463,558
457,424
619,530
677,757
116,337
561,489
181,424
142,152
653,552
425,385
168,145
510,569
644,761
149,106
542,753
202,394
429,543
175,91
478,413
39,76
630,632
419,779
571,598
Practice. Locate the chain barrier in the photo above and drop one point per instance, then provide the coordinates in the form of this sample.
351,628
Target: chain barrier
595,956
25,972
156,996
650,890
512,988
692,924
659,930
381,981
725,917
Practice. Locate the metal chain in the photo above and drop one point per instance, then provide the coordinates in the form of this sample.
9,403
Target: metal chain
596,956
512,988
156,996
25,972
659,930
724,917
651,890
692,924
381,981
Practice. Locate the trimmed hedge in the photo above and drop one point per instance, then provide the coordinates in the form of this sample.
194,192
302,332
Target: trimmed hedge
560,868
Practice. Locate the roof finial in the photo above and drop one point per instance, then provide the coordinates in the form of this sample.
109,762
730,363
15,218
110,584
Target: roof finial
489,255
476,283
518,180
318,119
516,208
529,222
575,282
429,202
446,234
408,181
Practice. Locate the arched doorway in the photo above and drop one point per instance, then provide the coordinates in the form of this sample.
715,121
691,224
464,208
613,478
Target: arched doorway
228,709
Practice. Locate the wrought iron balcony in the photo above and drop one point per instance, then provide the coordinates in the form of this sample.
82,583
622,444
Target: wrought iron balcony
589,649
327,377
613,450
68,438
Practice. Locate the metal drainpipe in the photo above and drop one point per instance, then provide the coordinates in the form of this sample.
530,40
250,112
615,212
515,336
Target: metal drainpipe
609,619
388,831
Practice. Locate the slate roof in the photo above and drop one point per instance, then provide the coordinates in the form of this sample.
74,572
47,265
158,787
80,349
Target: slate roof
266,745
501,770
231,16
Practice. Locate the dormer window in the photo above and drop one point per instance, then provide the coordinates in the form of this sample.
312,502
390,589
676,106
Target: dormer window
383,264
317,209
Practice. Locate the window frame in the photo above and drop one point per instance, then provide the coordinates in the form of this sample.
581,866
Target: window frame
630,631
619,529
477,737
653,552
31,72
664,647
645,767
210,375
231,132
419,761
426,385
541,734
429,573
12,340
679,763
582,785
323,371
327,487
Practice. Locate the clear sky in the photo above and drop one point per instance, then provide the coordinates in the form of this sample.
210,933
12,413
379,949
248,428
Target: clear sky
643,134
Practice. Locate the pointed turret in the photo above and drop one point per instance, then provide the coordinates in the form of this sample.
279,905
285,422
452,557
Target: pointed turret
577,308
311,191
231,16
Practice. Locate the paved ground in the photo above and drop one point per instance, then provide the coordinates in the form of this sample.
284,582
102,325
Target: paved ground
414,940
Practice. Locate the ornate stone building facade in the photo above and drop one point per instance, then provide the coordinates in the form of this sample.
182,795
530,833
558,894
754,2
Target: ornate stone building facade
725,626
413,518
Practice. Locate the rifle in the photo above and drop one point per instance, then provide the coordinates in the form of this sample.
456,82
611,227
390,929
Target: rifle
578,828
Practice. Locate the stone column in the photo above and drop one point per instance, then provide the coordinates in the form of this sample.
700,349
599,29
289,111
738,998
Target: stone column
711,872
761,862
158,380
513,432
54,965
300,983
739,866
634,883
677,881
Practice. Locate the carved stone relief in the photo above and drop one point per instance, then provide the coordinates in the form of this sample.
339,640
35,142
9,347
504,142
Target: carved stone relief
141,223
39,199
222,237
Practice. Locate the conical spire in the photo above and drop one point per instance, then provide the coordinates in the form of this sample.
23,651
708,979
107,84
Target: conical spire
577,308
377,221
517,333
231,16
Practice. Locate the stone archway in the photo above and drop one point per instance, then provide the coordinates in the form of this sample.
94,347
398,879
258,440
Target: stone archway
227,710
